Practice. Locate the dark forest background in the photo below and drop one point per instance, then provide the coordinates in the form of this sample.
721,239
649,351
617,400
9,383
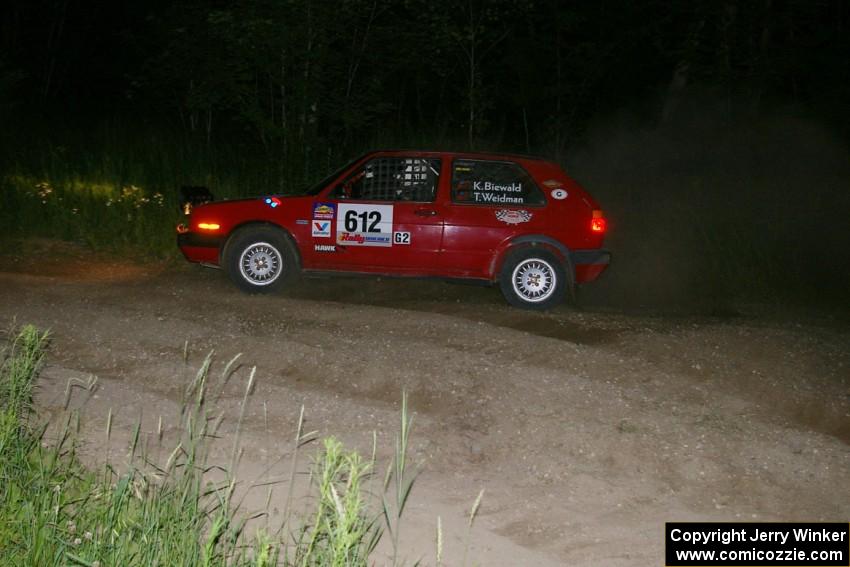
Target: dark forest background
713,132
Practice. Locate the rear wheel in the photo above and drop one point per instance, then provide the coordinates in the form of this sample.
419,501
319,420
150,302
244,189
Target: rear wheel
534,279
260,259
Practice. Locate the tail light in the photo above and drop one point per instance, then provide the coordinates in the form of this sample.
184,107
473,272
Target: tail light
597,222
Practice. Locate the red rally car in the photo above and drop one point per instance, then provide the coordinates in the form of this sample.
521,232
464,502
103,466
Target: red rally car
516,221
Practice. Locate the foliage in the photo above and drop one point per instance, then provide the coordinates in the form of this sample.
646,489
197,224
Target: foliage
55,512
113,189
311,81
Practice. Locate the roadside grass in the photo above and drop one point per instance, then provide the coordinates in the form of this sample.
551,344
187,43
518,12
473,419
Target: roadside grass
103,216
116,189
55,512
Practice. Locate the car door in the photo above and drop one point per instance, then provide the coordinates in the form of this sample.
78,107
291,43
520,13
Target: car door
382,218
491,202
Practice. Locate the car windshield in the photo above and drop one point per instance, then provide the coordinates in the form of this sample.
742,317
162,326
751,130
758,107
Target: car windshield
316,188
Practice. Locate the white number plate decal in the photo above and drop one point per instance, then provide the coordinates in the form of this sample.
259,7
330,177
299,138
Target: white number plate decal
364,225
401,237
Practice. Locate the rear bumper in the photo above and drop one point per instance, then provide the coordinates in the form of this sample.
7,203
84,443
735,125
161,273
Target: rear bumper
589,264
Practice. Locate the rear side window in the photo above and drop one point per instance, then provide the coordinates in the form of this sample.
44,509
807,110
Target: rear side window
477,182
392,179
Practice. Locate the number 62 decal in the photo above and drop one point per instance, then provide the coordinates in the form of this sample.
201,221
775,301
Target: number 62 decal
401,237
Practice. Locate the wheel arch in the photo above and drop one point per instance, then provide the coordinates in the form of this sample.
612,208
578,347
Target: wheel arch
527,241
222,251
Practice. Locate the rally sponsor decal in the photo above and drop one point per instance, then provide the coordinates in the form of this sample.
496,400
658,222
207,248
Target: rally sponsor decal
321,228
362,239
364,225
324,248
400,237
509,216
324,210
302,221
559,194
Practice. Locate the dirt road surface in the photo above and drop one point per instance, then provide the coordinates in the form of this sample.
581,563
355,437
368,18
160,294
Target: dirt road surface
588,428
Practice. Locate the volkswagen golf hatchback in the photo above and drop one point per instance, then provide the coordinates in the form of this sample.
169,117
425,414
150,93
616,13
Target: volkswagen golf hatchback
518,222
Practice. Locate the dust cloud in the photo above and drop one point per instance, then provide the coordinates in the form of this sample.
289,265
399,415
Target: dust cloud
708,208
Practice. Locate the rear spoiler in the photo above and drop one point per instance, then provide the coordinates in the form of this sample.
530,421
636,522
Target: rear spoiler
191,196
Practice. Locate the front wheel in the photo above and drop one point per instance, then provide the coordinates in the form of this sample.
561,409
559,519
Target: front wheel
533,279
260,260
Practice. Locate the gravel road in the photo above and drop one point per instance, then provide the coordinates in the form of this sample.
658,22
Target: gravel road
588,428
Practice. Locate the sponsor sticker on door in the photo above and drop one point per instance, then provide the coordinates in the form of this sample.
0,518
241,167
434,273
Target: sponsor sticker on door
364,225
324,211
321,228
512,216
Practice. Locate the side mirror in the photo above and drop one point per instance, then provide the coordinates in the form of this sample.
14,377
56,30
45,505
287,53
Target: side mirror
338,192
191,196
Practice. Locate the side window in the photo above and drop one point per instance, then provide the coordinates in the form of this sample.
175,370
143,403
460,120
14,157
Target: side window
477,182
392,179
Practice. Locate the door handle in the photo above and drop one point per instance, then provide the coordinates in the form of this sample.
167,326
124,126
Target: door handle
425,212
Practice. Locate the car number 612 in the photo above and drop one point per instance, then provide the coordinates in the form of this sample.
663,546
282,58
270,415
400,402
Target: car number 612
367,219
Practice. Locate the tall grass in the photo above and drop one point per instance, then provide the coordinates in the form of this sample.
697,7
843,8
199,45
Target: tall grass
115,187
55,512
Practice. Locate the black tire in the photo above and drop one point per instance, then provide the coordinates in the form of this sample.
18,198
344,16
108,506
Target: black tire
260,259
534,278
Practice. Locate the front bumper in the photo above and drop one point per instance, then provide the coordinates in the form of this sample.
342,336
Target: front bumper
199,247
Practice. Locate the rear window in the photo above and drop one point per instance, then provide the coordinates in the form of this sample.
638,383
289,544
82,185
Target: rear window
479,182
